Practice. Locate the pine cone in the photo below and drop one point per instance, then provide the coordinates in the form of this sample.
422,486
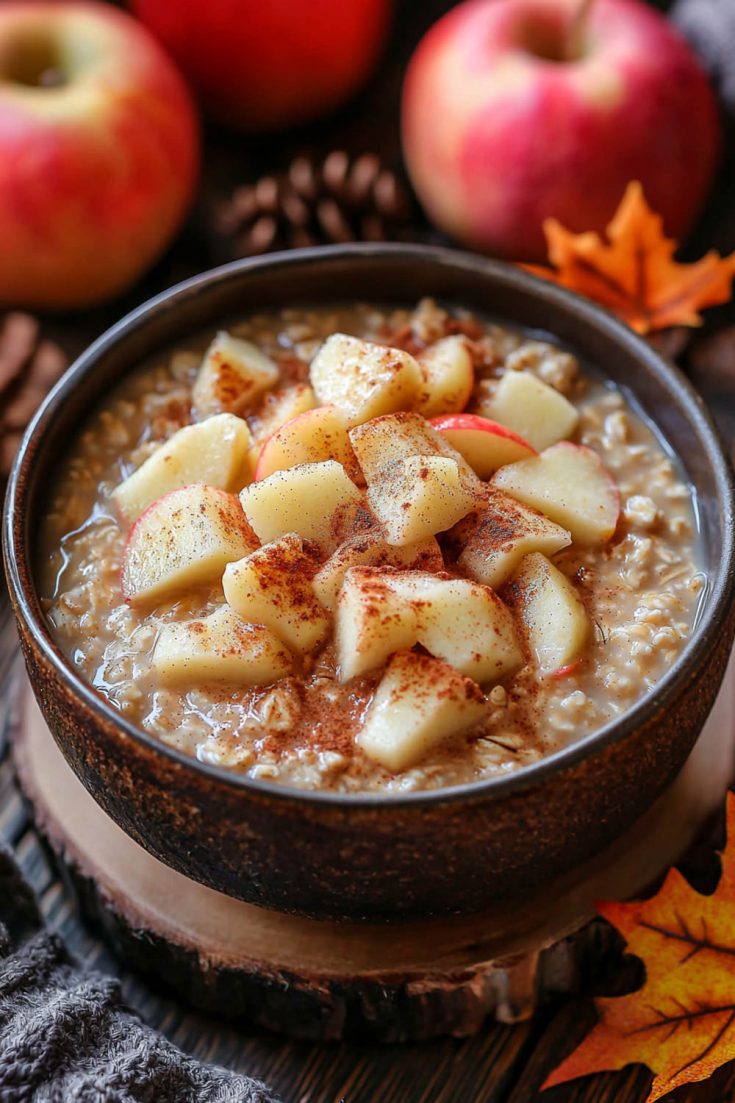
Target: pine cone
337,200
29,366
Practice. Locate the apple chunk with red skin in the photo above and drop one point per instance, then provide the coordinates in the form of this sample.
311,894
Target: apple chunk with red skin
99,166
514,112
496,537
316,435
214,452
552,614
569,484
220,648
183,540
401,436
280,406
485,444
419,703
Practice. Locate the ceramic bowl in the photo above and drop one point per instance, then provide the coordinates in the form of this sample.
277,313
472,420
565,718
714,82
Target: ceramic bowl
334,856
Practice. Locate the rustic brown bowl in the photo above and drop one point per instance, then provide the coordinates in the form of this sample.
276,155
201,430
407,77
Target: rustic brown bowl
325,855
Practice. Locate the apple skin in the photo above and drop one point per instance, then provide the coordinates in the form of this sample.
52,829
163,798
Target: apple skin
497,138
267,64
485,444
96,174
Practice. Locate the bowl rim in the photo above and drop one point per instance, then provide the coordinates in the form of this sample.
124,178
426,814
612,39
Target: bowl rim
27,605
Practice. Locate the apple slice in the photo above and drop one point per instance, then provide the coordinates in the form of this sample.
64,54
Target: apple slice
417,497
550,609
372,621
463,623
184,539
276,409
497,537
371,550
280,406
219,648
399,437
272,586
569,484
214,452
316,500
234,373
532,408
448,377
486,445
419,702
363,379
319,434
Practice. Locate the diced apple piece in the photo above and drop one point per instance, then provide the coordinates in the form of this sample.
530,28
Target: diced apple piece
363,379
400,436
551,612
273,587
184,539
372,551
419,703
463,623
569,484
319,434
234,373
280,406
372,621
532,408
448,377
219,648
214,452
497,537
486,445
316,500
418,497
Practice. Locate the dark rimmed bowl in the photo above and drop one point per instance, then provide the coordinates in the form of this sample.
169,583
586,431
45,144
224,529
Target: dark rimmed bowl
325,855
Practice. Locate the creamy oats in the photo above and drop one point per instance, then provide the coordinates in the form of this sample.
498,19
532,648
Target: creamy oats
638,589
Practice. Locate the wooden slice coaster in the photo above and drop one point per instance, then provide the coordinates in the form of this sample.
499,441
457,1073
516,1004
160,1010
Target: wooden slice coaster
319,980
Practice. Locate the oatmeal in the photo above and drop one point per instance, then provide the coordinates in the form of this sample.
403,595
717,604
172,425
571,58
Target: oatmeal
367,550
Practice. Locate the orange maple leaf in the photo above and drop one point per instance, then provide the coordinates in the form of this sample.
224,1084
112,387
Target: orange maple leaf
681,1023
635,275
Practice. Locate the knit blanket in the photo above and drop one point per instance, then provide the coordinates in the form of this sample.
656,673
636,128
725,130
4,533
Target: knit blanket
66,1035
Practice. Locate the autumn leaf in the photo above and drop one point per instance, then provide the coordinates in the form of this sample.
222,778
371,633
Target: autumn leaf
634,274
681,1023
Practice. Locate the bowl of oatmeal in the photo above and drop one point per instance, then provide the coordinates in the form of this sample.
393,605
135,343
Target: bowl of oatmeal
372,581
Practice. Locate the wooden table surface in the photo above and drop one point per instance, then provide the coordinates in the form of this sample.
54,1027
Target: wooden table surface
503,1063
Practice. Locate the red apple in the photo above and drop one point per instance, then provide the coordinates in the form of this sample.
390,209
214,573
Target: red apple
99,151
266,64
485,444
512,113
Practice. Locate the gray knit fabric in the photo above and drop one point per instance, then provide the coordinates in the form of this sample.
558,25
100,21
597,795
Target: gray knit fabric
710,27
67,1037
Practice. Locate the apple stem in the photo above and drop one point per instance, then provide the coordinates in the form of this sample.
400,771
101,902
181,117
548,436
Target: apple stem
575,32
